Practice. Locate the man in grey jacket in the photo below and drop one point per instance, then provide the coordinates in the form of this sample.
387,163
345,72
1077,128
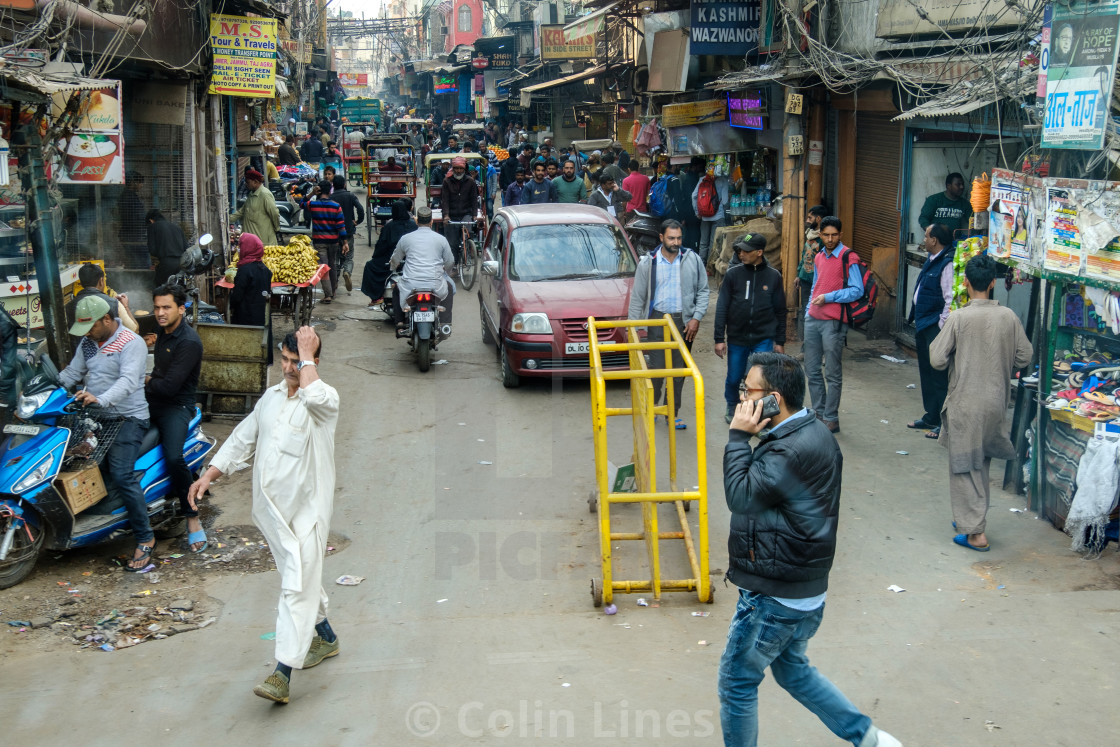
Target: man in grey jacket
670,280
110,360
427,259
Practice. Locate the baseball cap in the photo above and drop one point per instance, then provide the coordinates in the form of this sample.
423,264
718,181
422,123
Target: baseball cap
89,310
750,242
424,213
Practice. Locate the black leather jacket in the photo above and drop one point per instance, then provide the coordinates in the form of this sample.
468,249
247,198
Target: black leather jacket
784,498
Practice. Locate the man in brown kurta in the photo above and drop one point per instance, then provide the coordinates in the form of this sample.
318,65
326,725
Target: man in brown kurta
981,344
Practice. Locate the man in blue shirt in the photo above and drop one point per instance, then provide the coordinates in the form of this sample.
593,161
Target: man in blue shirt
539,189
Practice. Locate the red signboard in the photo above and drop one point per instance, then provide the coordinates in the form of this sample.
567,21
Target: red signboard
480,63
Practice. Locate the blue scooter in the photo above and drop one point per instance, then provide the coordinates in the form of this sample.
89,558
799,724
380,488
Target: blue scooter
57,433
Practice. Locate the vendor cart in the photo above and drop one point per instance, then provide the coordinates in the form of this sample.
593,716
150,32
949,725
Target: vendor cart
294,301
383,188
353,151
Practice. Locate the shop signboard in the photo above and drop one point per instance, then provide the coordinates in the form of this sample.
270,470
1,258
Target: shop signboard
244,56
1081,65
555,47
501,61
353,79
94,151
724,27
159,102
693,113
445,83
745,109
897,18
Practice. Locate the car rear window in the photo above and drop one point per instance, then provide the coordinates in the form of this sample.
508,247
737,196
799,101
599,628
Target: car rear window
568,252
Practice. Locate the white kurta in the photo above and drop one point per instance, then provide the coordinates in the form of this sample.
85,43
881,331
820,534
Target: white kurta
293,496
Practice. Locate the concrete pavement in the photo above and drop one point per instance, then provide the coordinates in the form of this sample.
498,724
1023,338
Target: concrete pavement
475,625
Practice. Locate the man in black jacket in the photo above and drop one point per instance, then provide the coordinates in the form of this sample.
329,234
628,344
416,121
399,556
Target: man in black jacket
459,196
751,310
170,390
166,245
784,498
312,151
354,214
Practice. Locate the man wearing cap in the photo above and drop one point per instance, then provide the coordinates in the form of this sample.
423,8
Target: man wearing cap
110,361
427,258
459,197
258,214
751,312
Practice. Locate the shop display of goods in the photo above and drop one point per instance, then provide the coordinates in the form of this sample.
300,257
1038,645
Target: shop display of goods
294,263
966,250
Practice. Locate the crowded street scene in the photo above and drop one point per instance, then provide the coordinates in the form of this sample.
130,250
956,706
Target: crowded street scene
387,372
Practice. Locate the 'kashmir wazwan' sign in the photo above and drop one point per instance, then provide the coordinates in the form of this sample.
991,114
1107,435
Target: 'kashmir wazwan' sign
725,27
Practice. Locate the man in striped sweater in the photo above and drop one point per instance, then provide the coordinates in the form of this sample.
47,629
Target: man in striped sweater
328,234
836,281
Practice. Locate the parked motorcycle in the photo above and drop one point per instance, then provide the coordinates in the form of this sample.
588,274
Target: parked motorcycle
58,436
644,231
422,329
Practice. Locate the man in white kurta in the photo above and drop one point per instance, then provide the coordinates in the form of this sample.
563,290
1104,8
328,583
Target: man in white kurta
291,433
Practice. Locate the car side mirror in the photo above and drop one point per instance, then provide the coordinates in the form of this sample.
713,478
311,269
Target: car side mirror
490,267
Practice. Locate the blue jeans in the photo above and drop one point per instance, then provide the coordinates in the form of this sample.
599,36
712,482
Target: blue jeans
737,357
766,633
120,477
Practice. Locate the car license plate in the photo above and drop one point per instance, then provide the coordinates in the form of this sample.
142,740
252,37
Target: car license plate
577,348
424,316
22,430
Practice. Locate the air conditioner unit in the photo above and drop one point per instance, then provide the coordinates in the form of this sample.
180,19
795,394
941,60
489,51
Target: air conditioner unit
443,30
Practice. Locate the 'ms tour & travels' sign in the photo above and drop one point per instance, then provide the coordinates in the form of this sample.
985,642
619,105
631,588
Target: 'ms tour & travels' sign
725,27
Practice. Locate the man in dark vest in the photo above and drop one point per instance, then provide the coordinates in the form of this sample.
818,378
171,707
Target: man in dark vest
932,298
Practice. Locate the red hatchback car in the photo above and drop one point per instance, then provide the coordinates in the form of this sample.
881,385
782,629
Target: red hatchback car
545,269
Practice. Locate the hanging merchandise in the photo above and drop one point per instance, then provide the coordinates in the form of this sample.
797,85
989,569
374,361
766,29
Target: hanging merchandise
635,129
966,249
1097,483
981,193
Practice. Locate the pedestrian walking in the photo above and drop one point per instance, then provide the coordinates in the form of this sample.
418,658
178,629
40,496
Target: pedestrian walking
258,214
670,280
685,207
750,314
328,234
354,214
512,195
609,196
836,281
709,202
982,345
538,190
570,187
784,497
933,297
291,434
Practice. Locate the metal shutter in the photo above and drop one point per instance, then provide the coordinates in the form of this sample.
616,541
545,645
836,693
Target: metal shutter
878,163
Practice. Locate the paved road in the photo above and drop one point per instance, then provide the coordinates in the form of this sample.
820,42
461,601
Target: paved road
475,624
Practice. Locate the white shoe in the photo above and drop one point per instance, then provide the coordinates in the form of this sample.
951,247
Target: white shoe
876,737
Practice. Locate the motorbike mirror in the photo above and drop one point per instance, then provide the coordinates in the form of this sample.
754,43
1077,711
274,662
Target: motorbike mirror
490,267
205,239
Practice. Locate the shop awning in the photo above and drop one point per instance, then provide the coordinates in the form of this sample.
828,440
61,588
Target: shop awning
589,24
966,98
52,83
591,72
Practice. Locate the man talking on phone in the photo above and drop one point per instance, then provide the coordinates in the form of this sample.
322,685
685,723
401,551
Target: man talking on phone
784,496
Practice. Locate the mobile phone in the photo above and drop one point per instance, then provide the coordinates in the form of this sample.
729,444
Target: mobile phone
769,406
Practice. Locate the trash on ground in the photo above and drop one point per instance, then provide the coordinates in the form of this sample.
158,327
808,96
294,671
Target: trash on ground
268,636
701,614
1001,586
107,647
485,462
462,423
441,601
991,725
911,386
440,362
701,643
642,602
19,623
1018,510
482,440
895,588
892,359
885,422
349,580
903,453
610,609
174,556
147,568
566,684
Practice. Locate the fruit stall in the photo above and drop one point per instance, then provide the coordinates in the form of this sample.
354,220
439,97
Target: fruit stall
295,273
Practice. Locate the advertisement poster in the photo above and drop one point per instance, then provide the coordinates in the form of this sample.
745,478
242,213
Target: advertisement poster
724,27
244,56
94,152
693,113
1081,65
1062,240
1010,222
555,47
353,79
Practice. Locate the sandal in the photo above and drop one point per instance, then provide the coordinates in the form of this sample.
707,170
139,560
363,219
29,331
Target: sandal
920,425
147,551
194,537
935,433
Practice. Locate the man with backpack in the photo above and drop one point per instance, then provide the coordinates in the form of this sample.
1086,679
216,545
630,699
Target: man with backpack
661,196
708,201
837,281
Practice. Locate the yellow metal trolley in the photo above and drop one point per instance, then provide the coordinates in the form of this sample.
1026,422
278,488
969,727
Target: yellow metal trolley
642,412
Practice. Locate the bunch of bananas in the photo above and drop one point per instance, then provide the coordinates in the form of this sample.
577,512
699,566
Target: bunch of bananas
294,263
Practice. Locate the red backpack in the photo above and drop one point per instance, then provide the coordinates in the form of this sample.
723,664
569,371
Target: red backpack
707,197
859,312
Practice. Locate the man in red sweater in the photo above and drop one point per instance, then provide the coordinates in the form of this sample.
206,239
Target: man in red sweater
836,281
637,184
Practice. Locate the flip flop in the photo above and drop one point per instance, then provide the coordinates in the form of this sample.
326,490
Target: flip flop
199,536
143,559
680,425
962,540
935,433
920,425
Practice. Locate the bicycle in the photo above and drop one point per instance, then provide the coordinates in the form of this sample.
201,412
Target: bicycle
469,257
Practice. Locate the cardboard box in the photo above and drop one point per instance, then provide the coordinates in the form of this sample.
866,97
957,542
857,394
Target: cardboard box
81,488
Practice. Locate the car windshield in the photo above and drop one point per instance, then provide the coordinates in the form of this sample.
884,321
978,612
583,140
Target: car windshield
568,252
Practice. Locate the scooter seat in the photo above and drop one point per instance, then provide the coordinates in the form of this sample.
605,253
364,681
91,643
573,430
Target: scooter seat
150,440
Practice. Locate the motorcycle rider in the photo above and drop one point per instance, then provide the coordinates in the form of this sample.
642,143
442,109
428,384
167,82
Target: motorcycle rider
427,259
171,394
111,360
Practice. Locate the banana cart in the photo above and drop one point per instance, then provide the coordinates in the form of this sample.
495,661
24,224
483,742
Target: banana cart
293,300
385,182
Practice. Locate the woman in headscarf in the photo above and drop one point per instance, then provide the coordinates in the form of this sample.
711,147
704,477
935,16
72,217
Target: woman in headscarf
377,268
248,301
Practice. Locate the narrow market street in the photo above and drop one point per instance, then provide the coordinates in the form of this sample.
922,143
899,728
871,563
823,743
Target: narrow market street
464,506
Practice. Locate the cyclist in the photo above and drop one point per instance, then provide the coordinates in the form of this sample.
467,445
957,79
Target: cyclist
459,198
